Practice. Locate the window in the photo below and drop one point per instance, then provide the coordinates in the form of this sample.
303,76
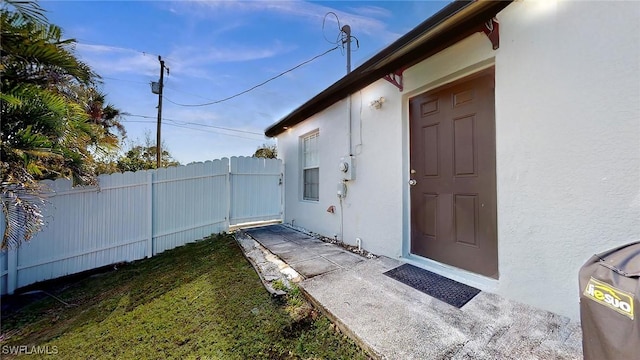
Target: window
310,167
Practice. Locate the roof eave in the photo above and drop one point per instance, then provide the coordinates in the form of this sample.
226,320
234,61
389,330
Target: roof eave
448,26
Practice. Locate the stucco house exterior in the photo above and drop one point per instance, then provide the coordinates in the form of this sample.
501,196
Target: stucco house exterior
497,144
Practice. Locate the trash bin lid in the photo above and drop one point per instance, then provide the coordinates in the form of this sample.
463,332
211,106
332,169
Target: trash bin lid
625,260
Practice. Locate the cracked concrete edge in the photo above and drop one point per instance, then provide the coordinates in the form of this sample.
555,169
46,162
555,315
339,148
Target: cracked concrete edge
267,285
363,344
255,253
289,273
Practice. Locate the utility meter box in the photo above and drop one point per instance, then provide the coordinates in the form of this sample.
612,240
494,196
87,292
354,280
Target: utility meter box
155,87
342,190
346,168
610,304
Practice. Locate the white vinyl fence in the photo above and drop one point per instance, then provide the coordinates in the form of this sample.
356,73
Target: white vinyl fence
135,215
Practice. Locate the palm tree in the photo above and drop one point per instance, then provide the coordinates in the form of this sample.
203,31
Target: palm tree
45,131
266,151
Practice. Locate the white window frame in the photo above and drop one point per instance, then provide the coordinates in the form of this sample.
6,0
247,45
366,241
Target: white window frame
310,160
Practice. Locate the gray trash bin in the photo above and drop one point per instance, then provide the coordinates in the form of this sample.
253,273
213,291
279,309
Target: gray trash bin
610,304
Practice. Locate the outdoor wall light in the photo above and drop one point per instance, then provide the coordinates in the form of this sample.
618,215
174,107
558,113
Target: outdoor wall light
377,104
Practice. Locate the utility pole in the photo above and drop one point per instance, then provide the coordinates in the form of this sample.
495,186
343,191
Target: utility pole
158,137
347,31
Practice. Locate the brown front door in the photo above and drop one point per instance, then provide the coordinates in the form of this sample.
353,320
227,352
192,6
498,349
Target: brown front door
453,200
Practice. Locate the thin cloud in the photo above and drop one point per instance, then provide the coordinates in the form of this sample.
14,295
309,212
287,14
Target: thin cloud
187,61
193,56
196,62
304,11
372,11
95,48
112,60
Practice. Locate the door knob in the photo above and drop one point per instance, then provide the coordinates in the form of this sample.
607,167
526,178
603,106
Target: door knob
412,182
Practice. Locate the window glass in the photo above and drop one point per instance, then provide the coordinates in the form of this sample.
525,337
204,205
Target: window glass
310,167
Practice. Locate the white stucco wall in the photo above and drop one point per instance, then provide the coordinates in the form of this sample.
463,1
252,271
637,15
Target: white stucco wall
311,214
568,143
567,147
373,206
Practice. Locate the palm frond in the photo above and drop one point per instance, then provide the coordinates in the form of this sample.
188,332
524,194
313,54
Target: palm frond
28,10
22,207
36,52
9,99
52,115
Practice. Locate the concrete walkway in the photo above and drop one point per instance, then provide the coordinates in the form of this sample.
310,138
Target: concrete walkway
393,321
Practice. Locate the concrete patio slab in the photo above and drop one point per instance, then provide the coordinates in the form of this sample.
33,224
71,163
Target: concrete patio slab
343,258
394,321
282,247
322,248
298,236
294,257
264,231
314,267
272,239
308,242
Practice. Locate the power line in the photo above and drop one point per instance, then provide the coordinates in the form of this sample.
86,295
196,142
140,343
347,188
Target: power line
342,37
130,81
191,128
203,97
220,127
214,132
338,39
148,82
204,125
187,93
256,86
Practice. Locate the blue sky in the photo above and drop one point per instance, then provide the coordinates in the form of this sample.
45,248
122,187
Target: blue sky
215,49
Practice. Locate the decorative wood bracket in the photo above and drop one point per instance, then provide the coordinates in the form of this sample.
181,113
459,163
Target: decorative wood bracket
492,29
395,78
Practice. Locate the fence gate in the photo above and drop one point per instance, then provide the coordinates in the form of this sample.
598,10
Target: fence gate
256,190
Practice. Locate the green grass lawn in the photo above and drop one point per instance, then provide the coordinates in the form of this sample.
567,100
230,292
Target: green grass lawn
199,301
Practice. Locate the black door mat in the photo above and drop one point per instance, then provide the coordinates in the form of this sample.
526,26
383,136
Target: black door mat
439,287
